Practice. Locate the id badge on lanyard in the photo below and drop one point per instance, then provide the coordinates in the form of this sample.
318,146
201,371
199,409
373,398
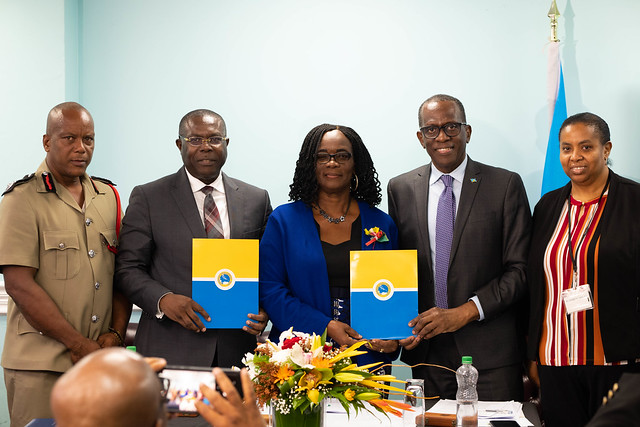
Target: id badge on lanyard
577,298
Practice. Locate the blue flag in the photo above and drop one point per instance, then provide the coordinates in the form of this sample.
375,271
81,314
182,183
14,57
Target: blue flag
554,176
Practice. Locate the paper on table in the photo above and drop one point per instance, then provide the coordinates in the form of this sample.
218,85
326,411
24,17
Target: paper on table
487,411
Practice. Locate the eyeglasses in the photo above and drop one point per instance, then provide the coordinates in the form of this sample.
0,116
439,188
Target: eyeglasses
450,129
197,141
341,157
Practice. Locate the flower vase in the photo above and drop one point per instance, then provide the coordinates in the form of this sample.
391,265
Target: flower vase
309,418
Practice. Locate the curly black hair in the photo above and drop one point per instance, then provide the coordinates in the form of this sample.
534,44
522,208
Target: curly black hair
305,185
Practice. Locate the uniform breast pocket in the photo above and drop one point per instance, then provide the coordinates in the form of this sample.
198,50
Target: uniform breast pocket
61,257
109,238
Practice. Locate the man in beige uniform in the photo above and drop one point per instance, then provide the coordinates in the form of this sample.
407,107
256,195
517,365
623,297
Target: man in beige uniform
58,233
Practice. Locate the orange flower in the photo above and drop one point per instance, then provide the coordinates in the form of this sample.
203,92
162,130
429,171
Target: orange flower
283,374
320,363
390,406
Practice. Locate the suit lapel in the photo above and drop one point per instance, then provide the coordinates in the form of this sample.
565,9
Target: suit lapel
421,192
234,206
470,185
183,197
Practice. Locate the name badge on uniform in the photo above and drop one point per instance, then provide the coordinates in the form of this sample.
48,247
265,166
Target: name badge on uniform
577,299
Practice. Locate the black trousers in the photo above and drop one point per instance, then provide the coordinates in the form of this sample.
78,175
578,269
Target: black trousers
503,383
571,395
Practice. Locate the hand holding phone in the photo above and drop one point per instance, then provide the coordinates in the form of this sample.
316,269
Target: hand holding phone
232,409
181,385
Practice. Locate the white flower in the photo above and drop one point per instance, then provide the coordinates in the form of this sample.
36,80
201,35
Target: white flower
288,334
300,358
281,356
285,335
247,360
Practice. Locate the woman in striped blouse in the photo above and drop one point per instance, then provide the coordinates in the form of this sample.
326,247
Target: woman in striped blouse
584,278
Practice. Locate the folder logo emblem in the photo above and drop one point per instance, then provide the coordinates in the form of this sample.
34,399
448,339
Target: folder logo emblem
225,279
383,289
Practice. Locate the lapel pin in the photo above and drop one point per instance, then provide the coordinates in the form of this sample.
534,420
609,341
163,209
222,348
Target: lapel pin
473,180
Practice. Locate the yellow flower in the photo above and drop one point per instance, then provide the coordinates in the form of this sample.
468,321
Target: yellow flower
350,352
316,342
381,386
313,395
348,377
367,396
349,394
283,374
310,379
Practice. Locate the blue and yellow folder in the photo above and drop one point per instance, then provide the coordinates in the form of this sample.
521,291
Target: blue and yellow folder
225,280
384,293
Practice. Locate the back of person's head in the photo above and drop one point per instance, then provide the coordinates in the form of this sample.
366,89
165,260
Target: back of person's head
111,387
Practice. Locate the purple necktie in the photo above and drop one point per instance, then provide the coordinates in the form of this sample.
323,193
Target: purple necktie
444,236
212,221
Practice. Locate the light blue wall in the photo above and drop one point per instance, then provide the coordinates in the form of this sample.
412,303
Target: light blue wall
274,69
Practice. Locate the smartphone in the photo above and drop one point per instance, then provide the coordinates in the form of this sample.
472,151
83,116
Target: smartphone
504,423
181,386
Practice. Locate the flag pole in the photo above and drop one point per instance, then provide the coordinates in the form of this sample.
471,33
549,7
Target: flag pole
553,16
553,176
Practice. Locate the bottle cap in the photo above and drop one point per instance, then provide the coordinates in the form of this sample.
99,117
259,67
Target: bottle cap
467,360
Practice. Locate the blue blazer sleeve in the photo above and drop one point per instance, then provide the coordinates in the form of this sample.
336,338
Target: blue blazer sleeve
294,287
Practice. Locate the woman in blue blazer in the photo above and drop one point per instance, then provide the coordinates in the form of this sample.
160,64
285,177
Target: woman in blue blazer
304,252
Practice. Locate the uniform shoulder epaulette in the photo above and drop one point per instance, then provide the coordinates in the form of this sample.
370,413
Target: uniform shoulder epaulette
103,180
14,184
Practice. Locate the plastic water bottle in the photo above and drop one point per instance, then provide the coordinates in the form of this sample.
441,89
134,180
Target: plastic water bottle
467,396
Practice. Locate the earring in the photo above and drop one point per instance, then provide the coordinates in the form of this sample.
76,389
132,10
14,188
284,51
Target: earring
353,189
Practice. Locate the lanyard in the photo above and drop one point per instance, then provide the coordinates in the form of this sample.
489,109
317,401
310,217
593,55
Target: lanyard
574,262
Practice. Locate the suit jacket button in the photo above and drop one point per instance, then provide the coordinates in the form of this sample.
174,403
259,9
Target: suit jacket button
61,245
92,253
94,318
88,221
97,285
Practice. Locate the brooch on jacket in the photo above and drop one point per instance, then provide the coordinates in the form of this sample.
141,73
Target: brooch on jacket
377,235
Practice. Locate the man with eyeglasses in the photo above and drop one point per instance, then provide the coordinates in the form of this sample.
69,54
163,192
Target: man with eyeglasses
153,266
470,224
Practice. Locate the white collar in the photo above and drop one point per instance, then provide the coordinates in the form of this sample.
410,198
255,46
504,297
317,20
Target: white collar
457,173
196,184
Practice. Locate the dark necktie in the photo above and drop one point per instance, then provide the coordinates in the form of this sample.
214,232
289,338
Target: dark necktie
212,221
445,219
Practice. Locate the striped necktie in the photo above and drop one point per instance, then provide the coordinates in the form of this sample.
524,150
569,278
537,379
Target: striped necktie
212,221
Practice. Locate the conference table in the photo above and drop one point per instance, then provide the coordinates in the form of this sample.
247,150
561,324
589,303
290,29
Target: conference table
332,419
335,417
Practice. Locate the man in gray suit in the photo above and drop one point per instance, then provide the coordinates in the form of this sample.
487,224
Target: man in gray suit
153,267
470,282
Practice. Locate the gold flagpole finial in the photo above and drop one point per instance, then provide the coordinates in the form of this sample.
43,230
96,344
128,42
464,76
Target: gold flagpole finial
553,15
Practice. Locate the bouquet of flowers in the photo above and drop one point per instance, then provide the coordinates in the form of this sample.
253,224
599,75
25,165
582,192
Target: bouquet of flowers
300,371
